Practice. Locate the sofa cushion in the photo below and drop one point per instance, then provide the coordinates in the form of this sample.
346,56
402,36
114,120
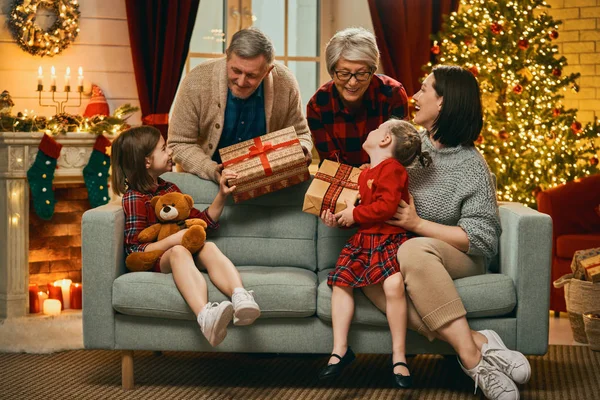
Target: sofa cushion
280,292
489,295
567,245
272,221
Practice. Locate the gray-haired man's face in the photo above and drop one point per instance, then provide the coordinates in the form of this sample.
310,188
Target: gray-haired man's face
244,75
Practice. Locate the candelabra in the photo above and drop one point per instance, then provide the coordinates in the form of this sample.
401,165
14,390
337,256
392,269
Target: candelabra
60,105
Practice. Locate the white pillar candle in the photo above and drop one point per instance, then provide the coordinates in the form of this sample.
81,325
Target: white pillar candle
53,76
51,307
65,285
40,76
80,77
68,79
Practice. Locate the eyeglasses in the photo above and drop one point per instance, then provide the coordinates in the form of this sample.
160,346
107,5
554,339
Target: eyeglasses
359,76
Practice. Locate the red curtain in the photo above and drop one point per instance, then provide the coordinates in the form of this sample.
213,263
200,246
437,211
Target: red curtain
402,28
160,33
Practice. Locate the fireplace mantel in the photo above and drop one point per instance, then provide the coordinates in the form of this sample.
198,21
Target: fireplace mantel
17,153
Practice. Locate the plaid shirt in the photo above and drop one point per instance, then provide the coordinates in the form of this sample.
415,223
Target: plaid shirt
337,133
139,214
244,119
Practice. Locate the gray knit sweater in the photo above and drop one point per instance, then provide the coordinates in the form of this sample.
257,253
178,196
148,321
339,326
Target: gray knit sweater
457,190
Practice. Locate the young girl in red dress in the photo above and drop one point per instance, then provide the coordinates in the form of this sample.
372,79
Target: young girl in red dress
139,156
370,255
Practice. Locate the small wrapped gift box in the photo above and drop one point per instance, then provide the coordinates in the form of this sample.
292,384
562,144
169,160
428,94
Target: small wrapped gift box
265,164
586,264
591,266
333,184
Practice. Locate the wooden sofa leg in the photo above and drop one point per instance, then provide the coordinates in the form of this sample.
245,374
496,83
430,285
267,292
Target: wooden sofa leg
127,369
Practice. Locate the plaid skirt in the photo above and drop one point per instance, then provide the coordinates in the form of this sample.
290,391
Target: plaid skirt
367,259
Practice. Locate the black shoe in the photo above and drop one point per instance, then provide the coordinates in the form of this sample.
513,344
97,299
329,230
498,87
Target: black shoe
402,381
334,370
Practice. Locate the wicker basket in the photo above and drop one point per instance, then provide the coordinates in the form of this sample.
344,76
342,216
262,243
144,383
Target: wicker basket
591,320
581,297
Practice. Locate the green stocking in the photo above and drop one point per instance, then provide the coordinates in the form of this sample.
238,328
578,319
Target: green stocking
41,175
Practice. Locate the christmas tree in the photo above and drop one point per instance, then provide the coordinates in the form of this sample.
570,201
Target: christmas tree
530,140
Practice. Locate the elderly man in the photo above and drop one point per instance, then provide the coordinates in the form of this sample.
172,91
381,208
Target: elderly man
226,101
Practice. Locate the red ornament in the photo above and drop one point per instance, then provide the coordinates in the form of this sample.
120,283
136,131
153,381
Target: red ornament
435,49
553,35
496,28
474,70
518,89
523,44
594,162
556,72
468,40
576,127
555,112
503,135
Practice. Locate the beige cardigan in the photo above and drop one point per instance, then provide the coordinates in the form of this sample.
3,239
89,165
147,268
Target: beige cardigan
197,121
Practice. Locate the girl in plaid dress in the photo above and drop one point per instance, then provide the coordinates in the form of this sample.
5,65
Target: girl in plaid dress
370,255
139,156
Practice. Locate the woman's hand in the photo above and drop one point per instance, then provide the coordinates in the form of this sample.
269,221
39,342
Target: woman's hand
406,216
346,217
329,219
224,189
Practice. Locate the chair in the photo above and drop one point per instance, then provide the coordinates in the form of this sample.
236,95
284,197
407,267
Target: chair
574,210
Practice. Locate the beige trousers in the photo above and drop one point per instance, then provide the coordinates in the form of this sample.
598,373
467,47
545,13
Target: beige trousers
428,267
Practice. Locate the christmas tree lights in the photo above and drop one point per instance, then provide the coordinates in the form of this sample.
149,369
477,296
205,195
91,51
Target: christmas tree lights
530,140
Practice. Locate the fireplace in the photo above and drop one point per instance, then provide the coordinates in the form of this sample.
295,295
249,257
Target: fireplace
33,250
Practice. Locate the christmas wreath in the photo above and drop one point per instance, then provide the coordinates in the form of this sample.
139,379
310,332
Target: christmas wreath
44,42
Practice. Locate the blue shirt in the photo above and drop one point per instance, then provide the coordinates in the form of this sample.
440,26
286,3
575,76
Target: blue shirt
244,119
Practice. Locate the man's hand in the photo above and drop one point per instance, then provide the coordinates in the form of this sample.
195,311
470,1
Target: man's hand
307,156
224,189
329,219
345,217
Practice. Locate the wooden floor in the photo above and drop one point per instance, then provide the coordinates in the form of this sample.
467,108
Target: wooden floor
560,331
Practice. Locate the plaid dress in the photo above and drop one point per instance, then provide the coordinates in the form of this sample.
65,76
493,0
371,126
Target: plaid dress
370,255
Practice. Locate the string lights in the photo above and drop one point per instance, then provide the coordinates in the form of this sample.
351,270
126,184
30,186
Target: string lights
530,140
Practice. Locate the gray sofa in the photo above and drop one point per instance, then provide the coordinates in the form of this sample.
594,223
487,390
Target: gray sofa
284,255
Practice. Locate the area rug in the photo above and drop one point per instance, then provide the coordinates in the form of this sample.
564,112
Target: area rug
42,334
564,373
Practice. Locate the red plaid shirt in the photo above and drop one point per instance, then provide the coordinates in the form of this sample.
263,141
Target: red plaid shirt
338,133
139,214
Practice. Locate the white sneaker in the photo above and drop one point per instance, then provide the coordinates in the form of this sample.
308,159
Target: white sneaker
512,363
213,321
494,384
245,309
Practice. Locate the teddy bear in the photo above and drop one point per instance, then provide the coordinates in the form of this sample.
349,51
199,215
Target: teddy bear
172,211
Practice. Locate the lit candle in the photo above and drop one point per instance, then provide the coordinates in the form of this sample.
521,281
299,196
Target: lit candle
68,80
40,79
51,307
80,80
34,301
76,296
41,297
53,78
55,291
65,285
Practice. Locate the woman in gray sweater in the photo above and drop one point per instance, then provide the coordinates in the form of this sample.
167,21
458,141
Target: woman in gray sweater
453,209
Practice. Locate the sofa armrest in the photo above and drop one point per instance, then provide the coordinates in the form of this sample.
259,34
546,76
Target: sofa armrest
102,257
525,256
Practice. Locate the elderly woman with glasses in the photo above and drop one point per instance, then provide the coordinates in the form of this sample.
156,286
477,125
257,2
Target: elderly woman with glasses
356,101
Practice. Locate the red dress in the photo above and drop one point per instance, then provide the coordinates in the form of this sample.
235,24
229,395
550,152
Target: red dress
370,255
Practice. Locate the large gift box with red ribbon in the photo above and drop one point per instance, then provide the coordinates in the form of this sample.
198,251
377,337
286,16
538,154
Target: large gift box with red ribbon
265,164
333,184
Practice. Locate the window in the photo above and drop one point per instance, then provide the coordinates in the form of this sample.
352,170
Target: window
294,26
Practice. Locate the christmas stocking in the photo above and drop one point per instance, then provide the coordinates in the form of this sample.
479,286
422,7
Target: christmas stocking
95,173
41,175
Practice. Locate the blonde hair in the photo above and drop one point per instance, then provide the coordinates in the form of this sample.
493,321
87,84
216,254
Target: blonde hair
408,143
128,159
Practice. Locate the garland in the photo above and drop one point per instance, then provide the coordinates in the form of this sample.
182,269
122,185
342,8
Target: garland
61,123
37,41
